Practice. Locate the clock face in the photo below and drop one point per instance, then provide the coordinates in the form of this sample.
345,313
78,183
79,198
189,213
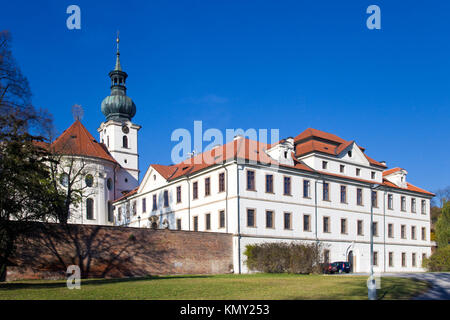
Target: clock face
125,129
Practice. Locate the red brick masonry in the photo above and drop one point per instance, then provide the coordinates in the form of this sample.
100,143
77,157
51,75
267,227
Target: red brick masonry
113,252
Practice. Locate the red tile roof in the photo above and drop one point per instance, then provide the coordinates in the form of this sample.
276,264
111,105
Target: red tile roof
313,140
76,140
391,171
409,187
241,148
126,195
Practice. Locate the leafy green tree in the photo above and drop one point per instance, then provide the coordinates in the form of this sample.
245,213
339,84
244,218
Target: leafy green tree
443,226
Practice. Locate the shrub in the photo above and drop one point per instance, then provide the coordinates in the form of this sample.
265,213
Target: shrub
439,260
282,257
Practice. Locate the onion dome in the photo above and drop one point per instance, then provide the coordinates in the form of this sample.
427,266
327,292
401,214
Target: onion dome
118,106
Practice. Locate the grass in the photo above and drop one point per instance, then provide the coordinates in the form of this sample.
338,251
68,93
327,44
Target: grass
226,287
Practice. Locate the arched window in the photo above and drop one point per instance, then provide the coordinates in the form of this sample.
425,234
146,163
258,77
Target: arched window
89,209
125,142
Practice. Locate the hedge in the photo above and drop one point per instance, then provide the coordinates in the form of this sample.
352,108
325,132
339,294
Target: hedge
280,257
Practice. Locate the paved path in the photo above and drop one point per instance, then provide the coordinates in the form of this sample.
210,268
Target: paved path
440,284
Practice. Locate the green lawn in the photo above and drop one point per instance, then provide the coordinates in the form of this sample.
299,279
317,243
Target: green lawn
193,287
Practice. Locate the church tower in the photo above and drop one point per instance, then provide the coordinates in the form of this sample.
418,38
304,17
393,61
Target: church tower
118,132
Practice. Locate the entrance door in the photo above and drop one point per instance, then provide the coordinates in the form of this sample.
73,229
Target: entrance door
351,260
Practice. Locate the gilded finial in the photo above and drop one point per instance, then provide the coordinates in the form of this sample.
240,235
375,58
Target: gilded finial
118,67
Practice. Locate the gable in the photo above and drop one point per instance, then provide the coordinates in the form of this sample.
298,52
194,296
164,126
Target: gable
352,153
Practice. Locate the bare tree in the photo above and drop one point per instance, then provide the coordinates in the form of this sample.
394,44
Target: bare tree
24,175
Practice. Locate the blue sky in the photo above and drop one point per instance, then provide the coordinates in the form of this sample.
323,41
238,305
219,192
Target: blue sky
288,65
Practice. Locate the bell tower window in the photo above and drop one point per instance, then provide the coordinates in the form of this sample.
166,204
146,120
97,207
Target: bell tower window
125,142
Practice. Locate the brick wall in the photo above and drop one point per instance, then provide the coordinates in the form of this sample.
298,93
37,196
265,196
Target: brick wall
112,252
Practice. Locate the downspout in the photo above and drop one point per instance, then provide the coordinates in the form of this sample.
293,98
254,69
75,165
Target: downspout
238,219
226,198
189,203
384,223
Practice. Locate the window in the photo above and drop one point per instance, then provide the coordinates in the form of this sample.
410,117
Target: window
124,142
178,194
413,232
360,230
119,214
324,164
413,258
343,194
154,203
403,259
287,220
195,223
133,207
341,168
375,229
89,180
306,189
144,205
424,256
390,202
326,193
251,180
403,231
344,226
269,219
391,259
166,198
359,197
424,207
251,218
358,172
424,233
221,182
89,209
373,175
390,230
222,219
207,186
64,180
178,224
326,224
326,256
107,141
110,212
374,199
403,203
413,205
269,183
306,222
208,221
109,183
287,186
195,190
349,154
375,258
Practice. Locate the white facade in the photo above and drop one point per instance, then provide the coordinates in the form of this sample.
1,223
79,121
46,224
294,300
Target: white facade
236,202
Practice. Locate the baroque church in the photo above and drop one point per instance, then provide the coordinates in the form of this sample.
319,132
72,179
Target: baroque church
108,168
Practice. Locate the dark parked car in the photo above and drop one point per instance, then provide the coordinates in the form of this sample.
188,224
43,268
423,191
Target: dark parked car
340,267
